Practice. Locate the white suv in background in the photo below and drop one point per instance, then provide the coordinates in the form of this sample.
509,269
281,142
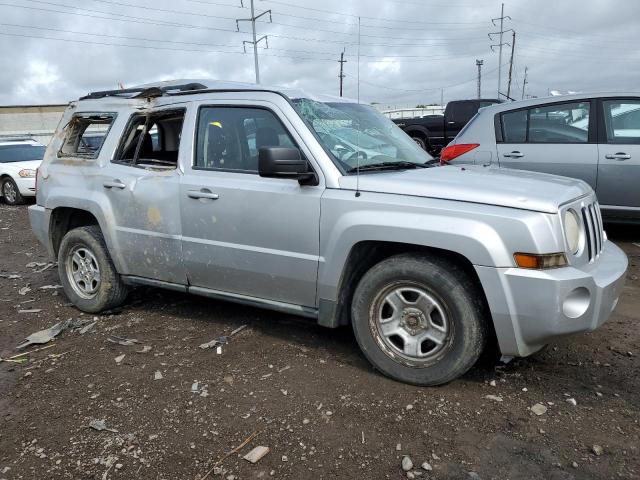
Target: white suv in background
19,159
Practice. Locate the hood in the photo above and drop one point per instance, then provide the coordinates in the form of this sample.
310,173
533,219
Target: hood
539,192
31,164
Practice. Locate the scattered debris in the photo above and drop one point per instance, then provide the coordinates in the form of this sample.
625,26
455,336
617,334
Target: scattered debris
43,336
24,290
125,342
407,464
398,447
49,287
100,425
145,349
572,401
231,452
87,327
158,375
222,340
539,409
256,454
119,359
11,276
30,310
492,383
574,464
427,466
597,450
495,398
194,387
35,264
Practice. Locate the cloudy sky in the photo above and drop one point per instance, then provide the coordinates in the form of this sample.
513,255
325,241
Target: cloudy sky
410,50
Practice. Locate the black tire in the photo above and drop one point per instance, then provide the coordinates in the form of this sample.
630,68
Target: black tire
421,141
16,197
110,291
457,295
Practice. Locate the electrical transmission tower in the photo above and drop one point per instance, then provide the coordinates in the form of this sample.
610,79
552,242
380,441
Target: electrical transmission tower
513,48
525,81
501,43
255,41
479,64
342,61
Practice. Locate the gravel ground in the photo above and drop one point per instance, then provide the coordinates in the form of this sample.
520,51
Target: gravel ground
175,411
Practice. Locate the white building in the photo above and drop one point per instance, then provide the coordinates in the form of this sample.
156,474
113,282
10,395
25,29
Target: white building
35,121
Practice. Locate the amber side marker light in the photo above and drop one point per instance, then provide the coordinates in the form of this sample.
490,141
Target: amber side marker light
540,262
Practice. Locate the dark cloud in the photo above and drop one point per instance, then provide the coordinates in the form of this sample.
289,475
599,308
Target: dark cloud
410,49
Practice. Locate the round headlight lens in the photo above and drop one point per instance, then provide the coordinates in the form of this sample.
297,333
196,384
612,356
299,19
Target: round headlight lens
572,230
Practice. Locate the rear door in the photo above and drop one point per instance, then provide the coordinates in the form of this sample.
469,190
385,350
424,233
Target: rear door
558,139
619,150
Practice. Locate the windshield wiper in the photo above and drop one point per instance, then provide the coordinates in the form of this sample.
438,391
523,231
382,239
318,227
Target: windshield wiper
387,166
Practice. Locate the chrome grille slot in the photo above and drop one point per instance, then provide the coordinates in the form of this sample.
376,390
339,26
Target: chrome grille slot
593,230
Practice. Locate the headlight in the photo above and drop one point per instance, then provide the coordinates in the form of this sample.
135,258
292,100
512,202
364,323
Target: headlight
572,230
27,173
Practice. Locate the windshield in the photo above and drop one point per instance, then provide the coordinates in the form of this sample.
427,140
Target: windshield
21,153
357,135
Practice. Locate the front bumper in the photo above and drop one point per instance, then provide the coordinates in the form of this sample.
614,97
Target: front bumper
532,307
26,186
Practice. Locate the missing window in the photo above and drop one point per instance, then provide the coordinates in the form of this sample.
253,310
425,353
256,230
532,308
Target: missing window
152,140
85,134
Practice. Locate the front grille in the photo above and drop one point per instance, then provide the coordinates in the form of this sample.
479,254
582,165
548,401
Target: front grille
592,221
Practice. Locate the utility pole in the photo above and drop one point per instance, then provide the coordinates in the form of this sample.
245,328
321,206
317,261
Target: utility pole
342,61
479,64
442,97
513,47
500,44
255,41
524,83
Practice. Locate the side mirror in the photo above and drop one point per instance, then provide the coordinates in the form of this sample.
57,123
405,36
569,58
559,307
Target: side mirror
284,162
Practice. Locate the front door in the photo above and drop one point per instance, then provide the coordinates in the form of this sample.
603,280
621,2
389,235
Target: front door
244,234
142,185
558,139
619,150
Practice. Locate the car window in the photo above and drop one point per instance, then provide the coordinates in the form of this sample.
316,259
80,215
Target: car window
514,126
462,112
21,153
622,121
566,123
229,138
81,133
152,140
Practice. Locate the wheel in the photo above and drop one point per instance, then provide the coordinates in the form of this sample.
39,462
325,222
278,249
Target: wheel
418,319
422,143
11,193
87,273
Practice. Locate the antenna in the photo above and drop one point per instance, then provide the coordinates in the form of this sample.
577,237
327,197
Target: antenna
358,134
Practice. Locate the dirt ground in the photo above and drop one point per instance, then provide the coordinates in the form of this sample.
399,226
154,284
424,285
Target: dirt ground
303,391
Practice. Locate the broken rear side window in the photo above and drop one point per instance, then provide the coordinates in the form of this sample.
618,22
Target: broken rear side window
85,134
152,140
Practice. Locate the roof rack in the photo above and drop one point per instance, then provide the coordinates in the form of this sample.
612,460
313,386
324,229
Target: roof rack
145,92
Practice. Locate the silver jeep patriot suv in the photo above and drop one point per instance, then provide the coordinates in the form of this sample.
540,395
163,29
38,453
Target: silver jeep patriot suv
321,208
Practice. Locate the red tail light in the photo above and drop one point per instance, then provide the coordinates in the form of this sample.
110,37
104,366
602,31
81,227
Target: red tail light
454,151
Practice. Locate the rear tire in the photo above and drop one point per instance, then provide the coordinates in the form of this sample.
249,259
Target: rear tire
422,143
10,192
87,273
419,319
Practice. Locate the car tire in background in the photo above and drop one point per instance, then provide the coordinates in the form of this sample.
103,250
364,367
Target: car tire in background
419,319
421,141
87,273
10,192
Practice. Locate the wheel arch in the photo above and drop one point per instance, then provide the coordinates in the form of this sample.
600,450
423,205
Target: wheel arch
365,254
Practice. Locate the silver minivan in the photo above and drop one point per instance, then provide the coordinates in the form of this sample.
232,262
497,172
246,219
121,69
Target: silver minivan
592,137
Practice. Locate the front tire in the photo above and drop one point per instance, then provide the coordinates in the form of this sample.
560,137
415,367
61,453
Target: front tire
419,319
87,273
11,193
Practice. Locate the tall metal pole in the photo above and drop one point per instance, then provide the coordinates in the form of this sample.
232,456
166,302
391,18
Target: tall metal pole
479,63
255,44
499,54
342,75
255,40
513,47
524,83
